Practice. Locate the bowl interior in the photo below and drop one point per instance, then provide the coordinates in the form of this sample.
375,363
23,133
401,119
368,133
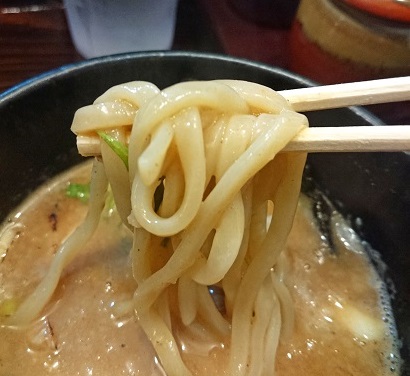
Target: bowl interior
36,143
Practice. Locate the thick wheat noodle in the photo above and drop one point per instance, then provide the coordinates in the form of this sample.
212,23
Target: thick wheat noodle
34,304
212,147
164,342
225,246
189,141
285,204
117,174
210,313
232,279
172,198
140,255
263,310
286,307
187,299
272,335
163,308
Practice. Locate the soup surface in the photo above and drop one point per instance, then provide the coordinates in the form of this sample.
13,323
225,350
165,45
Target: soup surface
343,323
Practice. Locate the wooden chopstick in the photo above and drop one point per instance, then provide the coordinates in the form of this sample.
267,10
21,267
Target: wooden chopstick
349,94
387,138
352,139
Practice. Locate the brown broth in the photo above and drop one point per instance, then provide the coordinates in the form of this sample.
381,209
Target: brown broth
341,326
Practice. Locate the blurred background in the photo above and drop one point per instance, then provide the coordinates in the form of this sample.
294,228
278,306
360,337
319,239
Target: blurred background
329,41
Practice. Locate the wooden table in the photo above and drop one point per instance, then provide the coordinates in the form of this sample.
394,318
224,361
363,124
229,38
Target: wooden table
34,38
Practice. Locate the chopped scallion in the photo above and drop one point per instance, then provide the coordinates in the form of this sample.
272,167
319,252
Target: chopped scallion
8,307
118,147
79,191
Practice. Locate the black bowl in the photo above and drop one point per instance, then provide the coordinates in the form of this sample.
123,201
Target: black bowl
36,143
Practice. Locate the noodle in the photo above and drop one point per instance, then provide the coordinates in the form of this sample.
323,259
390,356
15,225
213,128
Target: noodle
209,151
32,306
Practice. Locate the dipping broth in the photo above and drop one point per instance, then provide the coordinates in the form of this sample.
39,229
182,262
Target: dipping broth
343,321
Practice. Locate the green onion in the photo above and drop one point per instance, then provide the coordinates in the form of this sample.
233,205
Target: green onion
79,191
118,147
8,307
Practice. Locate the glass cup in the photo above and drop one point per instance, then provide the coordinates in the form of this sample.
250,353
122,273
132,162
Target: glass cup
105,27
